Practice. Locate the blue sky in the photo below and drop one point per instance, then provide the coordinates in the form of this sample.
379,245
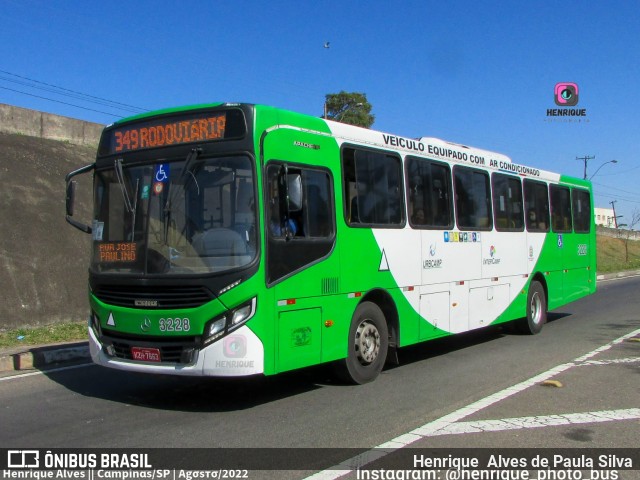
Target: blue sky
480,73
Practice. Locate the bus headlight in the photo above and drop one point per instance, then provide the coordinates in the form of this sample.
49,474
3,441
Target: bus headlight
215,329
243,313
232,320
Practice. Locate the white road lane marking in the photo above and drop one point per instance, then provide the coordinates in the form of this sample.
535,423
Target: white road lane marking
538,422
443,425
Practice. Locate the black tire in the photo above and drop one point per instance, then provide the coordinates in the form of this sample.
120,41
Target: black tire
536,310
368,345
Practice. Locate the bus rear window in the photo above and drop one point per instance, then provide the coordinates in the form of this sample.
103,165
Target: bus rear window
581,210
560,209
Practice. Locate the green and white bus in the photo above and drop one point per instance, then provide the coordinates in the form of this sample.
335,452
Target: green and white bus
237,239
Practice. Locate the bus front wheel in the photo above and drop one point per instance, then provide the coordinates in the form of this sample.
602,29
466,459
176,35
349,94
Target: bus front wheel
368,345
536,310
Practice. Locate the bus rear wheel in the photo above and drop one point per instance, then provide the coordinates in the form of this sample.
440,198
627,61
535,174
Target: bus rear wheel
536,310
368,345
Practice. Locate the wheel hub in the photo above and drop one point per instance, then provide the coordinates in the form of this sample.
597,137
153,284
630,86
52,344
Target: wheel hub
536,309
367,342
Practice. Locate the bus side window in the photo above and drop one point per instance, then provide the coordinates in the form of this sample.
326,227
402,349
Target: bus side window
301,232
372,188
560,209
473,199
507,202
429,194
536,200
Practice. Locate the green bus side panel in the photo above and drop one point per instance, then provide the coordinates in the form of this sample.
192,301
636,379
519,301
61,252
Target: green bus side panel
301,303
299,338
577,265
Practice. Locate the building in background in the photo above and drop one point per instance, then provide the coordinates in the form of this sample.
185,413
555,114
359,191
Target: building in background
605,217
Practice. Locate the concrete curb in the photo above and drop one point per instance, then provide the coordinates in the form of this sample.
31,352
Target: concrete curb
44,357
609,276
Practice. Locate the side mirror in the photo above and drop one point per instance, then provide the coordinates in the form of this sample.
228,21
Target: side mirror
71,196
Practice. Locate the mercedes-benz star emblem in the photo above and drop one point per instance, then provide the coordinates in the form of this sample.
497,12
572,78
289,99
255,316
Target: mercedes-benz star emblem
145,325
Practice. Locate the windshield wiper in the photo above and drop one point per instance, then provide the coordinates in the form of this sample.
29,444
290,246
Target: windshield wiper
181,179
129,206
186,169
191,158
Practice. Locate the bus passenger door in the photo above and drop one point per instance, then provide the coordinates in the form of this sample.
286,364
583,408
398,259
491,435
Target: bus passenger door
578,250
302,269
299,262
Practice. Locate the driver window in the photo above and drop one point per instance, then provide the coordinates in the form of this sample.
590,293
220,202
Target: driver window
299,218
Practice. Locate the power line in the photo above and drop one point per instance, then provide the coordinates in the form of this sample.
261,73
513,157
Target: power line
58,101
619,172
618,197
615,188
72,93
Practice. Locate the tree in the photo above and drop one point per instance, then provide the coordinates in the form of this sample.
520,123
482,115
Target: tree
352,108
635,219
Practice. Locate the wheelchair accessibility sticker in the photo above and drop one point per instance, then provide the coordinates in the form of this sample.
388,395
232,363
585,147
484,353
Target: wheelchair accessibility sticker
160,177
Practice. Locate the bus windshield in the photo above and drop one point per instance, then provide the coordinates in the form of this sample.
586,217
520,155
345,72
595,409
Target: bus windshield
191,216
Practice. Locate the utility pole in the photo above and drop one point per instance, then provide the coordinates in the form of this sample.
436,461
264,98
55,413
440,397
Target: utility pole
615,219
585,159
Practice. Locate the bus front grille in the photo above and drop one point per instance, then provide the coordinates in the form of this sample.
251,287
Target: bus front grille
156,297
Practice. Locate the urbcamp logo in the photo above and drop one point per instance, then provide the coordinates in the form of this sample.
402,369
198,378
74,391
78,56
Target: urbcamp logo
565,95
432,262
492,251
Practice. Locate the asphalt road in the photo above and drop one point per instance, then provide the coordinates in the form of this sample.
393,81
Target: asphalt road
461,380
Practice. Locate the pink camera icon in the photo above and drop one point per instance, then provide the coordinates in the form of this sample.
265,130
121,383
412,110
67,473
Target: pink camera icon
235,346
566,94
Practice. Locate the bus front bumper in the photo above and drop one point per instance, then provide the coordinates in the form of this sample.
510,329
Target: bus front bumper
238,354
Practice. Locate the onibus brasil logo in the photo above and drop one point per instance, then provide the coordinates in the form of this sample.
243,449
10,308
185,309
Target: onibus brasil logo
31,459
